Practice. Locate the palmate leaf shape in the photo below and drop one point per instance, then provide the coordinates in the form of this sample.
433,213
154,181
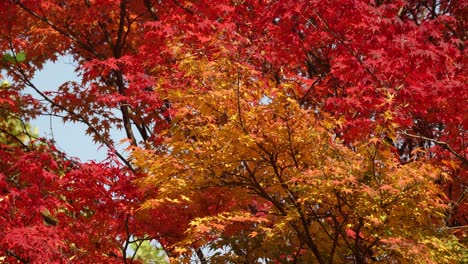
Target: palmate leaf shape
300,194
390,71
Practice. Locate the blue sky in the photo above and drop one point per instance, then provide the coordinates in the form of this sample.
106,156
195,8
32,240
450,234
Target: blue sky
69,137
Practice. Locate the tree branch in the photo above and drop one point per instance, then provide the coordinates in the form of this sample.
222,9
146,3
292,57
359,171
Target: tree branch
443,144
151,10
58,29
22,76
201,256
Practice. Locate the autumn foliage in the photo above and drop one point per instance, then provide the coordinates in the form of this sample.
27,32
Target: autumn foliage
258,131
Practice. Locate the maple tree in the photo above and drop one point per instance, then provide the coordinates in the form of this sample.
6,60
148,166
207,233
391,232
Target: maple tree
301,195
241,117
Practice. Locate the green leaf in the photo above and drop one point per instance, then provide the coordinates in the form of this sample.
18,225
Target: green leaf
20,57
8,58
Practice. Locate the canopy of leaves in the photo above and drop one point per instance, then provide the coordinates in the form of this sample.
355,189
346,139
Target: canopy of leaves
296,187
329,131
